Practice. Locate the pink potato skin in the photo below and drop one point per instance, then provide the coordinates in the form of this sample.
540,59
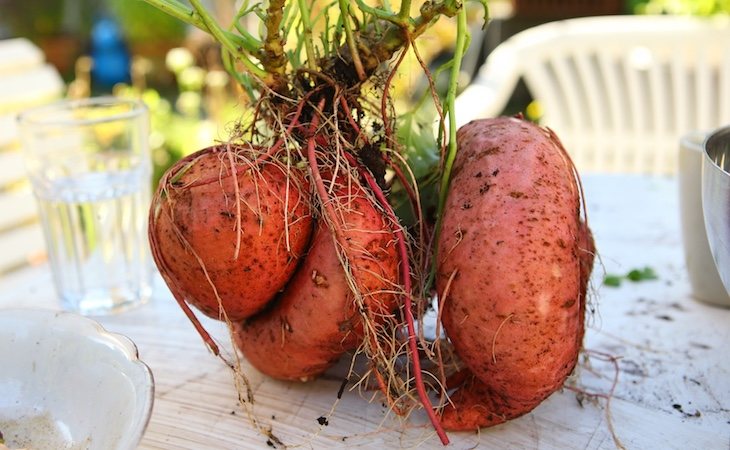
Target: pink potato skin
315,319
193,232
512,233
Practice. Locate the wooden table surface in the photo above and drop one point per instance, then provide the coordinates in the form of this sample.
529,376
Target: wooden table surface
672,390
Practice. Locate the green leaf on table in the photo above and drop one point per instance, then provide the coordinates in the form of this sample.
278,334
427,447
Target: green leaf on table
647,273
612,280
634,275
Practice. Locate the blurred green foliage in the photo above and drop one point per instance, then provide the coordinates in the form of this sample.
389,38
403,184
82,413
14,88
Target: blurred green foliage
419,147
687,7
39,18
62,28
197,115
142,22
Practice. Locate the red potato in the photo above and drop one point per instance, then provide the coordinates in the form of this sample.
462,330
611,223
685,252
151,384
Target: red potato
194,231
513,236
316,318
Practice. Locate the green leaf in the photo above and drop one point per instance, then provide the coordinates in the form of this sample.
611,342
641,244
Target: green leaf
421,154
647,273
634,275
419,143
612,280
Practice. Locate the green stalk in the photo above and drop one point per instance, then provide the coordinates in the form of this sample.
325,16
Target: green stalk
273,57
213,27
248,41
377,47
178,11
351,43
307,36
379,13
200,18
430,12
462,41
405,10
187,15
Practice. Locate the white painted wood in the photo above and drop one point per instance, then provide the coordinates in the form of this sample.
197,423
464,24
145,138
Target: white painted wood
25,81
18,55
17,207
672,354
21,246
634,54
32,87
21,238
12,168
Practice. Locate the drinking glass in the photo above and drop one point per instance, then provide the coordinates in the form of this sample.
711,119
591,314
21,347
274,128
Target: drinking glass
89,165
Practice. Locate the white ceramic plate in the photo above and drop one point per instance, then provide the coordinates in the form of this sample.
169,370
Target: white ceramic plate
67,383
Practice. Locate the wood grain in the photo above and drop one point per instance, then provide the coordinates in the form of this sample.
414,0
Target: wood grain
672,360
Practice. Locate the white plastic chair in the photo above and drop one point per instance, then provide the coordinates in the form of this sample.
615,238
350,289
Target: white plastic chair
25,81
618,90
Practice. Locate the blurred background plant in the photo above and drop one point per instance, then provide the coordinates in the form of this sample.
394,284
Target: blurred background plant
129,48
195,117
689,7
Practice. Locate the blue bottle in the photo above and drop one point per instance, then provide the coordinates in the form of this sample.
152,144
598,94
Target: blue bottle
110,54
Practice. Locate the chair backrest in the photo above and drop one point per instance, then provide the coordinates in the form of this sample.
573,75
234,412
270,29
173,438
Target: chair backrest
618,90
25,81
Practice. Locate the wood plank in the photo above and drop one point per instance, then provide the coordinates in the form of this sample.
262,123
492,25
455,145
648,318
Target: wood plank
22,90
19,55
17,207
671,351
20,246
12,167
8,131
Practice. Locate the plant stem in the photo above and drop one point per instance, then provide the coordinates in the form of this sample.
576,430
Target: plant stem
273,57
251,44
431,11
351,43
307,36
405,10
213,27
408,303
379,13
187,15
203,20
247,40
462,39
178,11
380,39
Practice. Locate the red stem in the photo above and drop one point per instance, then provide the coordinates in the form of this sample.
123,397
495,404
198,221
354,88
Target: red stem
404,263
398,171
410,321
321,189
406,184
155,248
353,124
339,236
265,156
294,122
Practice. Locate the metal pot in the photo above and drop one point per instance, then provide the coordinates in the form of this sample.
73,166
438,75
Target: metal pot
716,199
